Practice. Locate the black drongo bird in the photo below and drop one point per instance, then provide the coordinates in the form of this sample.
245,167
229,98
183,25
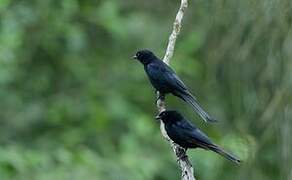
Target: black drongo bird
165,80
185,134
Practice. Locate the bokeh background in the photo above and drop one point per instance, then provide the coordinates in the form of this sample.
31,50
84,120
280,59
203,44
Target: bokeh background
74,105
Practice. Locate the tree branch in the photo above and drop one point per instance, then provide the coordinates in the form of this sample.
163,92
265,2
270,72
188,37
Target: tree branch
182,158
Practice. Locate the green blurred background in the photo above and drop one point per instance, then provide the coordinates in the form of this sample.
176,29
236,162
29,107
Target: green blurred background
74,105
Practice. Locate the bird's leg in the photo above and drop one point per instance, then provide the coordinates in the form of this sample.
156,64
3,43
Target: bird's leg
181,153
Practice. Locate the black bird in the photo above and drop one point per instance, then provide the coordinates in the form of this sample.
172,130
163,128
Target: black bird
185,134
165,80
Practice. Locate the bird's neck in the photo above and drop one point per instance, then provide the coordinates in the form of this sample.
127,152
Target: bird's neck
154,60
146,62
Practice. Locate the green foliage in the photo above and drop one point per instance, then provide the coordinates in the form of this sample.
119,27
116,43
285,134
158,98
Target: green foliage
74,105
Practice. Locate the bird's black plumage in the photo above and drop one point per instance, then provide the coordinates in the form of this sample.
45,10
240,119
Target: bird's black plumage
165,80
185,134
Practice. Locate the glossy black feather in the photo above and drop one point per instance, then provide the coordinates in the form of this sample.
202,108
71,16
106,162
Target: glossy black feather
165,80
187,135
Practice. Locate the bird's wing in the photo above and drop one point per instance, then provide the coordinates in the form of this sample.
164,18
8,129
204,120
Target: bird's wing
201,137
162,75
172,79
175,81
193,135
165,74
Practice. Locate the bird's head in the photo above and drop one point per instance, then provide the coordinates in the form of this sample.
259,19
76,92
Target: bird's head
169,116
144,56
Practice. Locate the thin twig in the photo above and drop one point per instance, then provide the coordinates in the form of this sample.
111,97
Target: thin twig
182,158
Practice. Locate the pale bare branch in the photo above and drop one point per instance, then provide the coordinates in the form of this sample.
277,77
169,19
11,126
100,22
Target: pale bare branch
182,158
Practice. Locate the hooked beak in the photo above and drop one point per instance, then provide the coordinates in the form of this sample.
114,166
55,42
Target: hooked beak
134,57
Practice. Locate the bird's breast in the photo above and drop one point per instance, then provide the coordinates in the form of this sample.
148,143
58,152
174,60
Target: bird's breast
157,80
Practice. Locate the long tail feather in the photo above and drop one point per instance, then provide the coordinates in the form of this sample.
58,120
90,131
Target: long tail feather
194,103
225,154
